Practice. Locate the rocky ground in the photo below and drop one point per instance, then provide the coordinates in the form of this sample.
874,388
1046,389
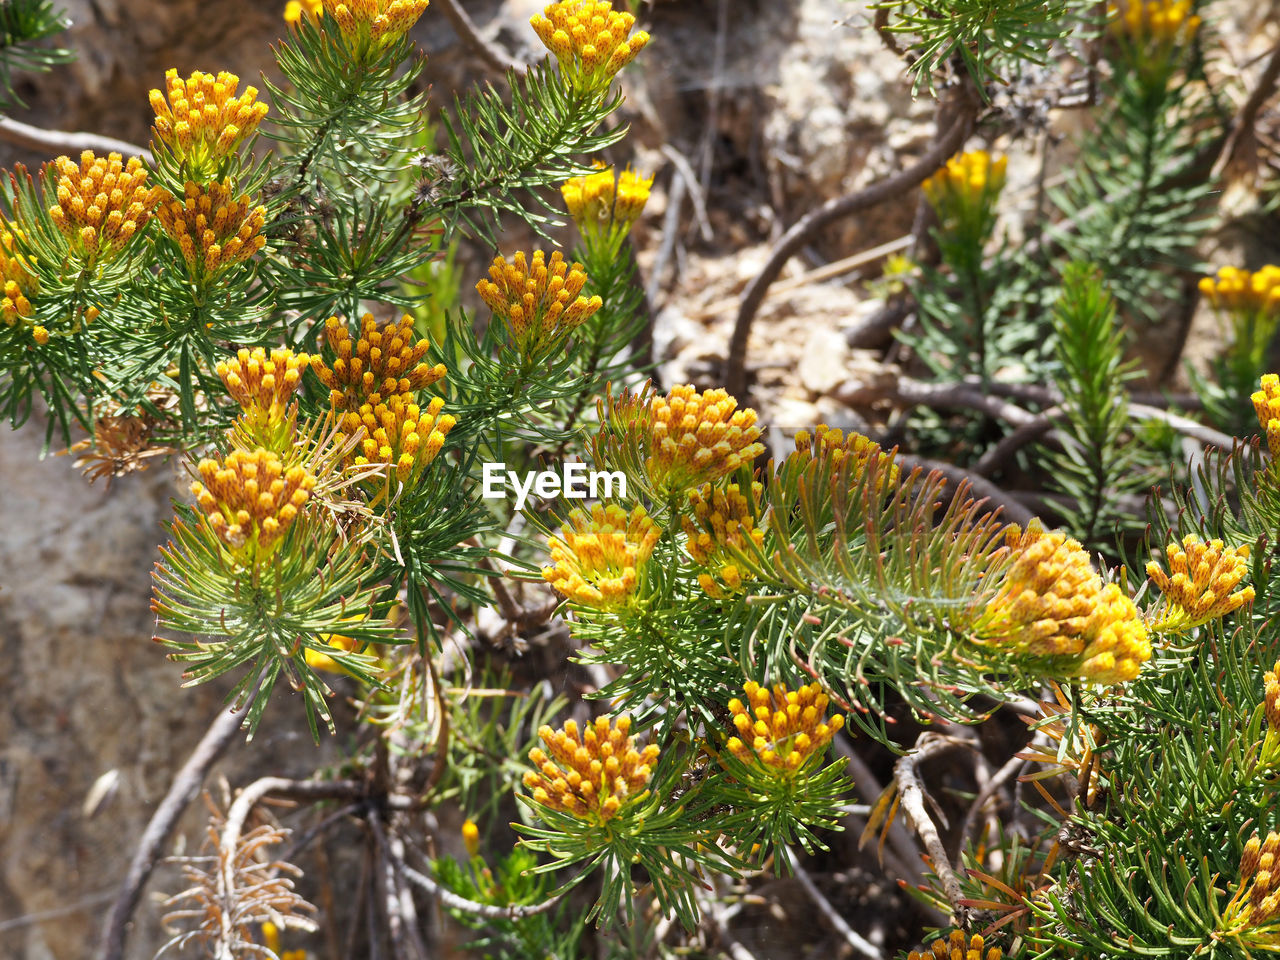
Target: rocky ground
768,108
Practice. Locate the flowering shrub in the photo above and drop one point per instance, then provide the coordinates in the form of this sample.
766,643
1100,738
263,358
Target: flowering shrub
736,631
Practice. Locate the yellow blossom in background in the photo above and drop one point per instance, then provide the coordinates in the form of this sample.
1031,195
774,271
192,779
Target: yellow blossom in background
102,204
780,731
1234,289
1052,605
722,519
964,192
1266,403
381,363
1159,23
1200,583
599,557
214,228
1251,915
19,283
539,301
471,837
256,378
250,500
696,438
370,26
271,940
860,451
322,661
591,775
605,204
957,947
590,40
295,10
402,435
201,120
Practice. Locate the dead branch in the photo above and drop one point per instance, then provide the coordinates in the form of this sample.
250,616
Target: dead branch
795,238
860,944
912,795
65,142
493,55
186,785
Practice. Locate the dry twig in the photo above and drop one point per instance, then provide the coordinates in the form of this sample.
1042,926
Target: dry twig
912,795
796,237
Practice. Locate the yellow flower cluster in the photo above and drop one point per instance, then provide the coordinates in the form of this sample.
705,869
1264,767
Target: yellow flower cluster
780,731
1199,585
102,203
262,383
1271,695
1239,291
203,121
860,451
590,41
957,947
540,302
1159,22
591,775
250,500
399,432
381,363
966,188
599,557
295,10
1266,403
1051,604
722,519
373,25
214,229
696,438
1256,903
605,205
19,284
375,381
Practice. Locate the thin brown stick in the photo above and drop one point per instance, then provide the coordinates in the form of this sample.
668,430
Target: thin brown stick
903,855
1028,432
493,55
1242,126
858,943
488,911
912,795
60,142
988,790
796,237
186,785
